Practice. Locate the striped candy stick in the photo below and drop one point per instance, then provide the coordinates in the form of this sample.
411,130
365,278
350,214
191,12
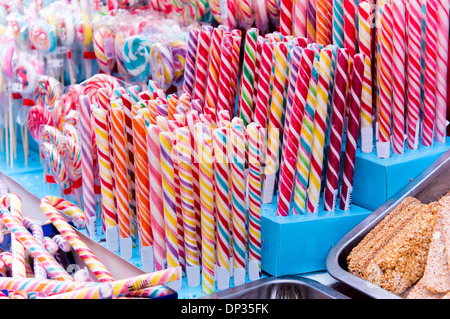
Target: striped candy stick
276,116
202,62
190,65
264,89
311,33
245,14
205,147
383,147
429,106
442,71
273,11
323,35
350,27
223,96
286,10
306,138
299,27
238,204
338,23
231,17
413,72
222,202
352,132
143,192
336,130
320,120
235,71
212,85
398,76
107,195
365,47
121,185
188,206
156,197
287,178
247,82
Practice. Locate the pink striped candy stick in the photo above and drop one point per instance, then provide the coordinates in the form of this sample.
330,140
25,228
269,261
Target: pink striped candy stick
235,72
225,74
398,76
191,57
231,20
352,132
413,72
299,28
293,139
430,73
442,71
201,72
212,85
336,130
286,9
156,197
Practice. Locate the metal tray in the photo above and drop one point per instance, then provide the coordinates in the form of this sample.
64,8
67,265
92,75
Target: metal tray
287,287
430,185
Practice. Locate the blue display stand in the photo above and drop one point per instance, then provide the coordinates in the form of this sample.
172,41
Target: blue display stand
298,244
376,179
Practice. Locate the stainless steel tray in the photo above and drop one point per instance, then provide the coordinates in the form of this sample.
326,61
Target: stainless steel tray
287,287
429,186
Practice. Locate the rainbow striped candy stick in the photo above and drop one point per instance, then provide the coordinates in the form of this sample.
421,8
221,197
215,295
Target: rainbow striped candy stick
184,160
169,201
442,71
255,134
77,244
320,120
311,21
107,195
190,66
248,76
306,138
238,204
205,151
156,197
222,202
102,291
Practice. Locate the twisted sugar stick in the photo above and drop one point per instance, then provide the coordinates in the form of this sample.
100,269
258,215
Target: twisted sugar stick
276,116
442,71
263,93
254,131
336,130
311,33
248,76
121,181
385,82
286,9
273,11
398,76
214,69
352,132
365,47
108,206
224,93
235,71
299,27
413,70
102,291
350,27
205,148
156,197
429,106
338,23
238,204
201,72
231,10
142,186
293,136
191,57
323,36
77,244
320,120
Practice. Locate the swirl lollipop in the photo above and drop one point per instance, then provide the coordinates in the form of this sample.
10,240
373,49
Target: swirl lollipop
15,21
99,81
47,91
104,49
42,36
179,51
38,116
136,56
162,65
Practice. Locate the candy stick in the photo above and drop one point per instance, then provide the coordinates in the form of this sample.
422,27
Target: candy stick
338,23
156,197
384,121
121,181
143,192
225,74
299,27
263,94
189,220
254,131
214,69
323,23
248,76
191,57
430,73
169,202
222,201
201,72
108,205
413,72
350,27
320,120
398,76
103,291
311,21
205,148
286,8
287,178
235,71
336,130
442,71
352,132
275,127
272,9
54,270
231,16
365,47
